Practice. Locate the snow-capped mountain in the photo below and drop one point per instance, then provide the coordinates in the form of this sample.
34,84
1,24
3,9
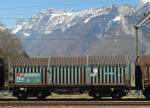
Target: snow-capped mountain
100,31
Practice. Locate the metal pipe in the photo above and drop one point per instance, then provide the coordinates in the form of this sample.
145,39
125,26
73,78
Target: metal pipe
137,41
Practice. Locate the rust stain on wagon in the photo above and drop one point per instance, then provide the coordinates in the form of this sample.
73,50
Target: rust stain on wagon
81,60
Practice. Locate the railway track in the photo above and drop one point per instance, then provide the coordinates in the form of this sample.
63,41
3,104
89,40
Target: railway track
77,99
74,103
63,102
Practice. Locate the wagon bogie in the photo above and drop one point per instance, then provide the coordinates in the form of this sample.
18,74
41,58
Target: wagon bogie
24,92
116,92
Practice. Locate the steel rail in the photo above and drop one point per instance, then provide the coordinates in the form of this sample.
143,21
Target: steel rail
57,103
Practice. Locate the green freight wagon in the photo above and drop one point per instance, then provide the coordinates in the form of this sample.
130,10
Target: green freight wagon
100,76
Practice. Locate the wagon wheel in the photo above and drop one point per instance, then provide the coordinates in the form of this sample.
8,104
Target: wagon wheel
147,95
95,94
22,96
41,96
116,95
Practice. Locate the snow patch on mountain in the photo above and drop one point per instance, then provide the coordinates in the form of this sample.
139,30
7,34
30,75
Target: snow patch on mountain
18,28
108,30
117,18
26,34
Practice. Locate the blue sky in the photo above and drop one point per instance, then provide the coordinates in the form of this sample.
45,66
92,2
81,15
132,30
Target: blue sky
11,10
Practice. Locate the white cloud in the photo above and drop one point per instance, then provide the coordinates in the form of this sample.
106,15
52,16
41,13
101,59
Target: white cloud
144,1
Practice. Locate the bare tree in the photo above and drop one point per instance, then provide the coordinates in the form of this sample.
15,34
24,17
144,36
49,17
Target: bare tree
9,44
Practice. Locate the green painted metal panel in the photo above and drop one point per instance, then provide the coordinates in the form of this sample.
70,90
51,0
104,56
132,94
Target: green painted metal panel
69,75
26,69
79,75
104,79
107,70
97,75
72,71
33,69
49,75
118,74
100,73
75,77
115,74
65,75
109,74
22,70
61,75
54,74
29,69
19,69
58,75
127,73
87,74
122,75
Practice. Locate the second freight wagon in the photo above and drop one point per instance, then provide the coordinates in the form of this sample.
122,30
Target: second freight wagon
142,75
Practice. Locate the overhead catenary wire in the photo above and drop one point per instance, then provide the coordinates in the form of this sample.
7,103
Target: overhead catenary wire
13,20
43,5
84,38
101,16
66,4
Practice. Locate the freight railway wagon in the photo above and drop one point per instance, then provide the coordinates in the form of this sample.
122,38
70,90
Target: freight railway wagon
142,73
100,76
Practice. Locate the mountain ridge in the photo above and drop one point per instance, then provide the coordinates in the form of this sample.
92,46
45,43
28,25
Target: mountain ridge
94,31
